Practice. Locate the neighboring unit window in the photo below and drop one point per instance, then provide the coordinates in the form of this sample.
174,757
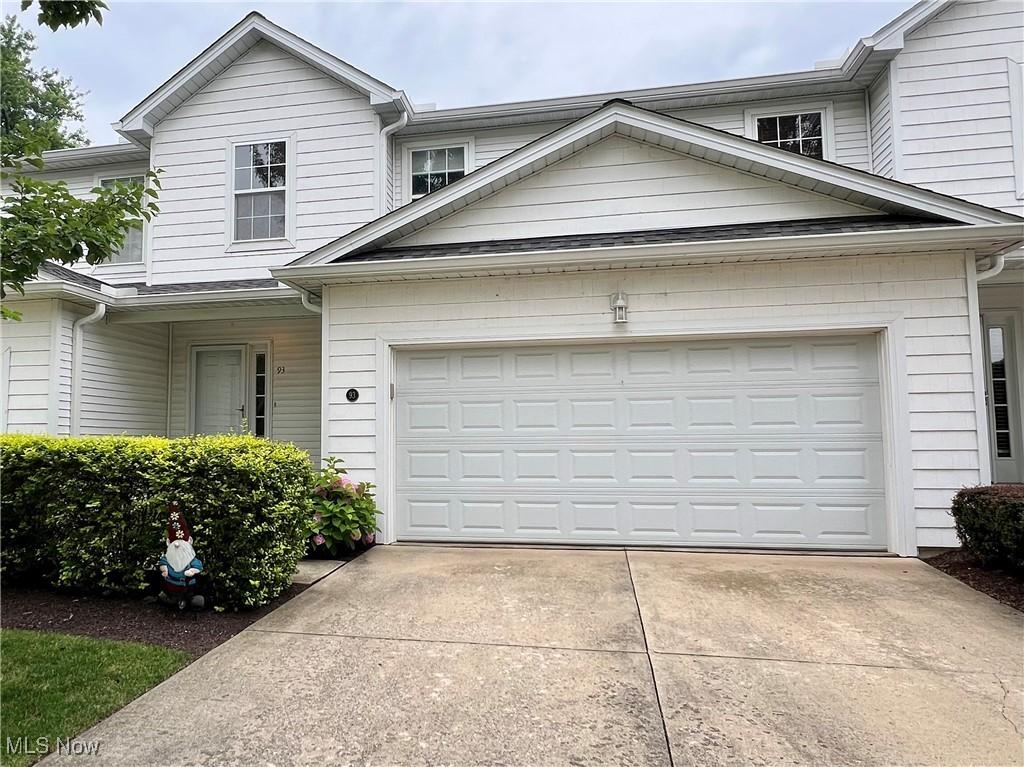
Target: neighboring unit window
433,169
131,251
999,394
259,423
800,134
260,189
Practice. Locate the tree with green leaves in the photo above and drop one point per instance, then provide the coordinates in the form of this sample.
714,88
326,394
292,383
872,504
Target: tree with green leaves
41,220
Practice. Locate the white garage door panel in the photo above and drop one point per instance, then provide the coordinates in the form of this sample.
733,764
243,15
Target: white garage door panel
774,442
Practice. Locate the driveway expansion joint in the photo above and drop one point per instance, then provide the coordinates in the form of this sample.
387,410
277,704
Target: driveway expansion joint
650,662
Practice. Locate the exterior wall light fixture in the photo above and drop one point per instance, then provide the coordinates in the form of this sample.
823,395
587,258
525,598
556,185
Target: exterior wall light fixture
620,302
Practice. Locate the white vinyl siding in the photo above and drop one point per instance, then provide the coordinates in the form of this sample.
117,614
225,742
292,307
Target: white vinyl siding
929,292
619,184
124,379
264,94
295,347
28,389
954,102
880,106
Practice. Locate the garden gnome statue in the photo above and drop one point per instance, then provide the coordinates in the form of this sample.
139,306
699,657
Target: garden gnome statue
179,566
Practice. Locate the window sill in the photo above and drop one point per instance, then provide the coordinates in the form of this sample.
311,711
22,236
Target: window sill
260,246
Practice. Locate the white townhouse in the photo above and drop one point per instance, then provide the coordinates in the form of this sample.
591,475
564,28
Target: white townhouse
779,311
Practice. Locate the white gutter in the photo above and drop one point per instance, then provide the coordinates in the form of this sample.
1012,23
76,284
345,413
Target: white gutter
385,134
995,267
77,329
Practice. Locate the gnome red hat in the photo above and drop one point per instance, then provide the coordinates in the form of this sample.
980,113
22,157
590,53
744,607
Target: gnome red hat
177,526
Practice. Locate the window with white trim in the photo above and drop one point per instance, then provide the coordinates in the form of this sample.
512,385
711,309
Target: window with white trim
131,250
434,169
801,133
260,191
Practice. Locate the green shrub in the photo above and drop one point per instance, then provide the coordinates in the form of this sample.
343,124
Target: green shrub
990,523
344,512
91,512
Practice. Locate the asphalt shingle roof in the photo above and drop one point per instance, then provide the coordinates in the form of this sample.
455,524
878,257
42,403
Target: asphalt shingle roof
70,275
802,227
200,287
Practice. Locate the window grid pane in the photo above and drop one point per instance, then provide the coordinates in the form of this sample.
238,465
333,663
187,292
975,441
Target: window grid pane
260,215
798,133
259,425
433,169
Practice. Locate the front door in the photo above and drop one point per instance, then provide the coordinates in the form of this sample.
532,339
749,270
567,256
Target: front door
219,390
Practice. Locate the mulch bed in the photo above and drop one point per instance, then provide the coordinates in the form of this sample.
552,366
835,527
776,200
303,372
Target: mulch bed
1006,586
132,619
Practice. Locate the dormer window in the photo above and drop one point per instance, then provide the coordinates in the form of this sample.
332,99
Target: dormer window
434,169
260,191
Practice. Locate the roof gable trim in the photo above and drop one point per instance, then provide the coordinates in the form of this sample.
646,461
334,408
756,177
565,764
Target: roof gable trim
137,124
704,143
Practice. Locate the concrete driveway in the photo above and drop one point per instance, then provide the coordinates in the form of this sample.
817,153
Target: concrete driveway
489,656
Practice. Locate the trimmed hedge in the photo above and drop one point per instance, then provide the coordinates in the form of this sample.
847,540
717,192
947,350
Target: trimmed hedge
91,512
990,523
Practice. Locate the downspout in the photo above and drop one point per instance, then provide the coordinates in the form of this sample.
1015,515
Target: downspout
385,134
306,298
77,330
996,266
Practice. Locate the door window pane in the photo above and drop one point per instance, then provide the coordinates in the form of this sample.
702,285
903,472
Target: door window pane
999,392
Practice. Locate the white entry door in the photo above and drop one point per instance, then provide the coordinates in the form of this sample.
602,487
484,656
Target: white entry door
219,395
768,442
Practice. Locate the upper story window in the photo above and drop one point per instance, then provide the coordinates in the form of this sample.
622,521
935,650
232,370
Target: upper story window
261,186
801,133
433,169
131,250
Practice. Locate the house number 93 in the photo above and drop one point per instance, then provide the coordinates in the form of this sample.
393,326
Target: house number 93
279,370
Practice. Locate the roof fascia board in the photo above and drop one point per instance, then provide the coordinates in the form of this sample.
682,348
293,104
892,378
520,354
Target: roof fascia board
616,115
892,36
936,238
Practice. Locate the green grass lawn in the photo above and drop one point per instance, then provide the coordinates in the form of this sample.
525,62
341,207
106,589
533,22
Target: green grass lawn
55,685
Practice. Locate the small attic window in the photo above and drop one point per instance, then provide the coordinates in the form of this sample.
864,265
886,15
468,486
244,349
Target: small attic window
797,133
804,128
434,169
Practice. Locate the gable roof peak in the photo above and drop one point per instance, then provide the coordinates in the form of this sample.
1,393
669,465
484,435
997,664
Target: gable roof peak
138,124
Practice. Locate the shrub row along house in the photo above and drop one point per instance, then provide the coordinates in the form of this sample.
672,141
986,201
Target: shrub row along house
780,311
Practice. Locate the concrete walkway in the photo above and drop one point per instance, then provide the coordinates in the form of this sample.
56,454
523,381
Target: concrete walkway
463,656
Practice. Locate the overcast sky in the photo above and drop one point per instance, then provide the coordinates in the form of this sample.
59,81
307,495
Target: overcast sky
460,54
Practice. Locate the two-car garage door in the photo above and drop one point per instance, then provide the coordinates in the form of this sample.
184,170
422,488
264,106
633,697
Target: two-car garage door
769,442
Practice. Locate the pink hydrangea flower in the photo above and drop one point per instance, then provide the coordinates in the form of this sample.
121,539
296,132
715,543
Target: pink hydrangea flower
319,540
